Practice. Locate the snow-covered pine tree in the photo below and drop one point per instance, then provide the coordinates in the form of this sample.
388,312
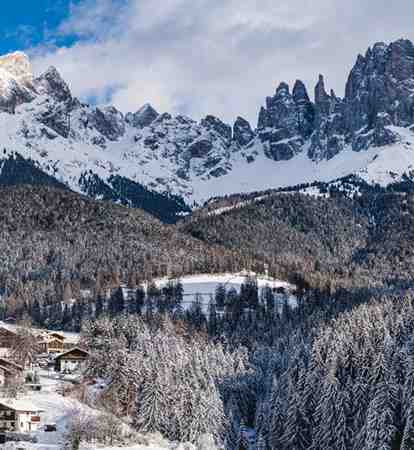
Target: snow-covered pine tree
294,437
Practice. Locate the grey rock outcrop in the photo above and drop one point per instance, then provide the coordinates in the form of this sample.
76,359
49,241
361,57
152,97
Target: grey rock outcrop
305,109
242,131
380,86
379,94
214,123
16,95
328,137
143,117
109,122
51,83
286,121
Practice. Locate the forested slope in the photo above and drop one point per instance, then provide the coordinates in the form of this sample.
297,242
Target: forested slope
361,240
52,236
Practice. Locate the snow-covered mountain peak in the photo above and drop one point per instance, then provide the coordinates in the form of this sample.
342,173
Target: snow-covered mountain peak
102,152
145,109
143,117
16,66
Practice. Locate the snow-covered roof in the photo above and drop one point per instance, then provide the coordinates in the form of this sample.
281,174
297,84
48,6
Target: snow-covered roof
20,405
69,336
8,362
70,351
6,369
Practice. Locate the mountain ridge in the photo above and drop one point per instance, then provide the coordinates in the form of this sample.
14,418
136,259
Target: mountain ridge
369,133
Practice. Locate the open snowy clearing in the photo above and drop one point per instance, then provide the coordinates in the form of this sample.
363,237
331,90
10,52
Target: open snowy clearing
206,284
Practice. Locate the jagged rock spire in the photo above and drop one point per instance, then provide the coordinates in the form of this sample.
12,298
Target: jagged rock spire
242,131
143,117
322,102
300,94
305,109
214,123
53,84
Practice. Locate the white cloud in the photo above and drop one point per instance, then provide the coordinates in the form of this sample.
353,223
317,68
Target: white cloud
212,56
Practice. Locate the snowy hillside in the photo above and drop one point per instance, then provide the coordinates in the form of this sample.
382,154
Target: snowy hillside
381,165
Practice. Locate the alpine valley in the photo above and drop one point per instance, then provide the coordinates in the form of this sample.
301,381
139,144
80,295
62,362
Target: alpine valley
168,164
173,284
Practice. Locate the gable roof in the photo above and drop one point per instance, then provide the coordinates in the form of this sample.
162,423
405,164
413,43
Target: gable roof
57,335
7,362
7,330
7,369
84,352
20,405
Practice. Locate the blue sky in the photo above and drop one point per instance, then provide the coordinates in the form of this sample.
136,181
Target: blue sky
27,23
198,57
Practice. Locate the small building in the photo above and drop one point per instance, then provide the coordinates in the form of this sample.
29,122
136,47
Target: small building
10,373
51,343
6,376
7,337
71,361
19,416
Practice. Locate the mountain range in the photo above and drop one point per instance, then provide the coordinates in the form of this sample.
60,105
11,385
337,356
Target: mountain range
167,164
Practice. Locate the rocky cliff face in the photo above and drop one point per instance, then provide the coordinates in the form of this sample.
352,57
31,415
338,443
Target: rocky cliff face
379,93
85,147
15,81
287,121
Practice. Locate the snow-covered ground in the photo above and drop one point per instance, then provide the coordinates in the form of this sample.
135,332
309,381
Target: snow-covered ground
70,337
382,165
206,284
59,410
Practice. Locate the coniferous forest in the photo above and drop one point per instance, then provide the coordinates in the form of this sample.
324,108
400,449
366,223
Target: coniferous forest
334,370
172,279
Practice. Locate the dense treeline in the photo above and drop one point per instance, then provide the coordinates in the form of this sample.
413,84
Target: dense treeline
16,170
358,241
53,241
50,239
170,368
163,380
334,372
347,384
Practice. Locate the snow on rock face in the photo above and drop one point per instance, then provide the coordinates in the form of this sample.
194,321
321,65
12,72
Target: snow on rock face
297,140
15,81
51,83
143,117
18,66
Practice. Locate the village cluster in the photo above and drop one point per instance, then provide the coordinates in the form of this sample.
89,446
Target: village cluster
27,357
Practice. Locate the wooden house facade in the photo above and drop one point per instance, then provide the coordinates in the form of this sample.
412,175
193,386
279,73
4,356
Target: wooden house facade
71,361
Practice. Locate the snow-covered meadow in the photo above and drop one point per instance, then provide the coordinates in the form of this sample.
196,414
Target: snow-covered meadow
205,285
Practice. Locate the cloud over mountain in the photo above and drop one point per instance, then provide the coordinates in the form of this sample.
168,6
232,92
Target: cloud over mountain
197,57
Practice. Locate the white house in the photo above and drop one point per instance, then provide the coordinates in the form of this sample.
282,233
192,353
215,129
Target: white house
20,416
